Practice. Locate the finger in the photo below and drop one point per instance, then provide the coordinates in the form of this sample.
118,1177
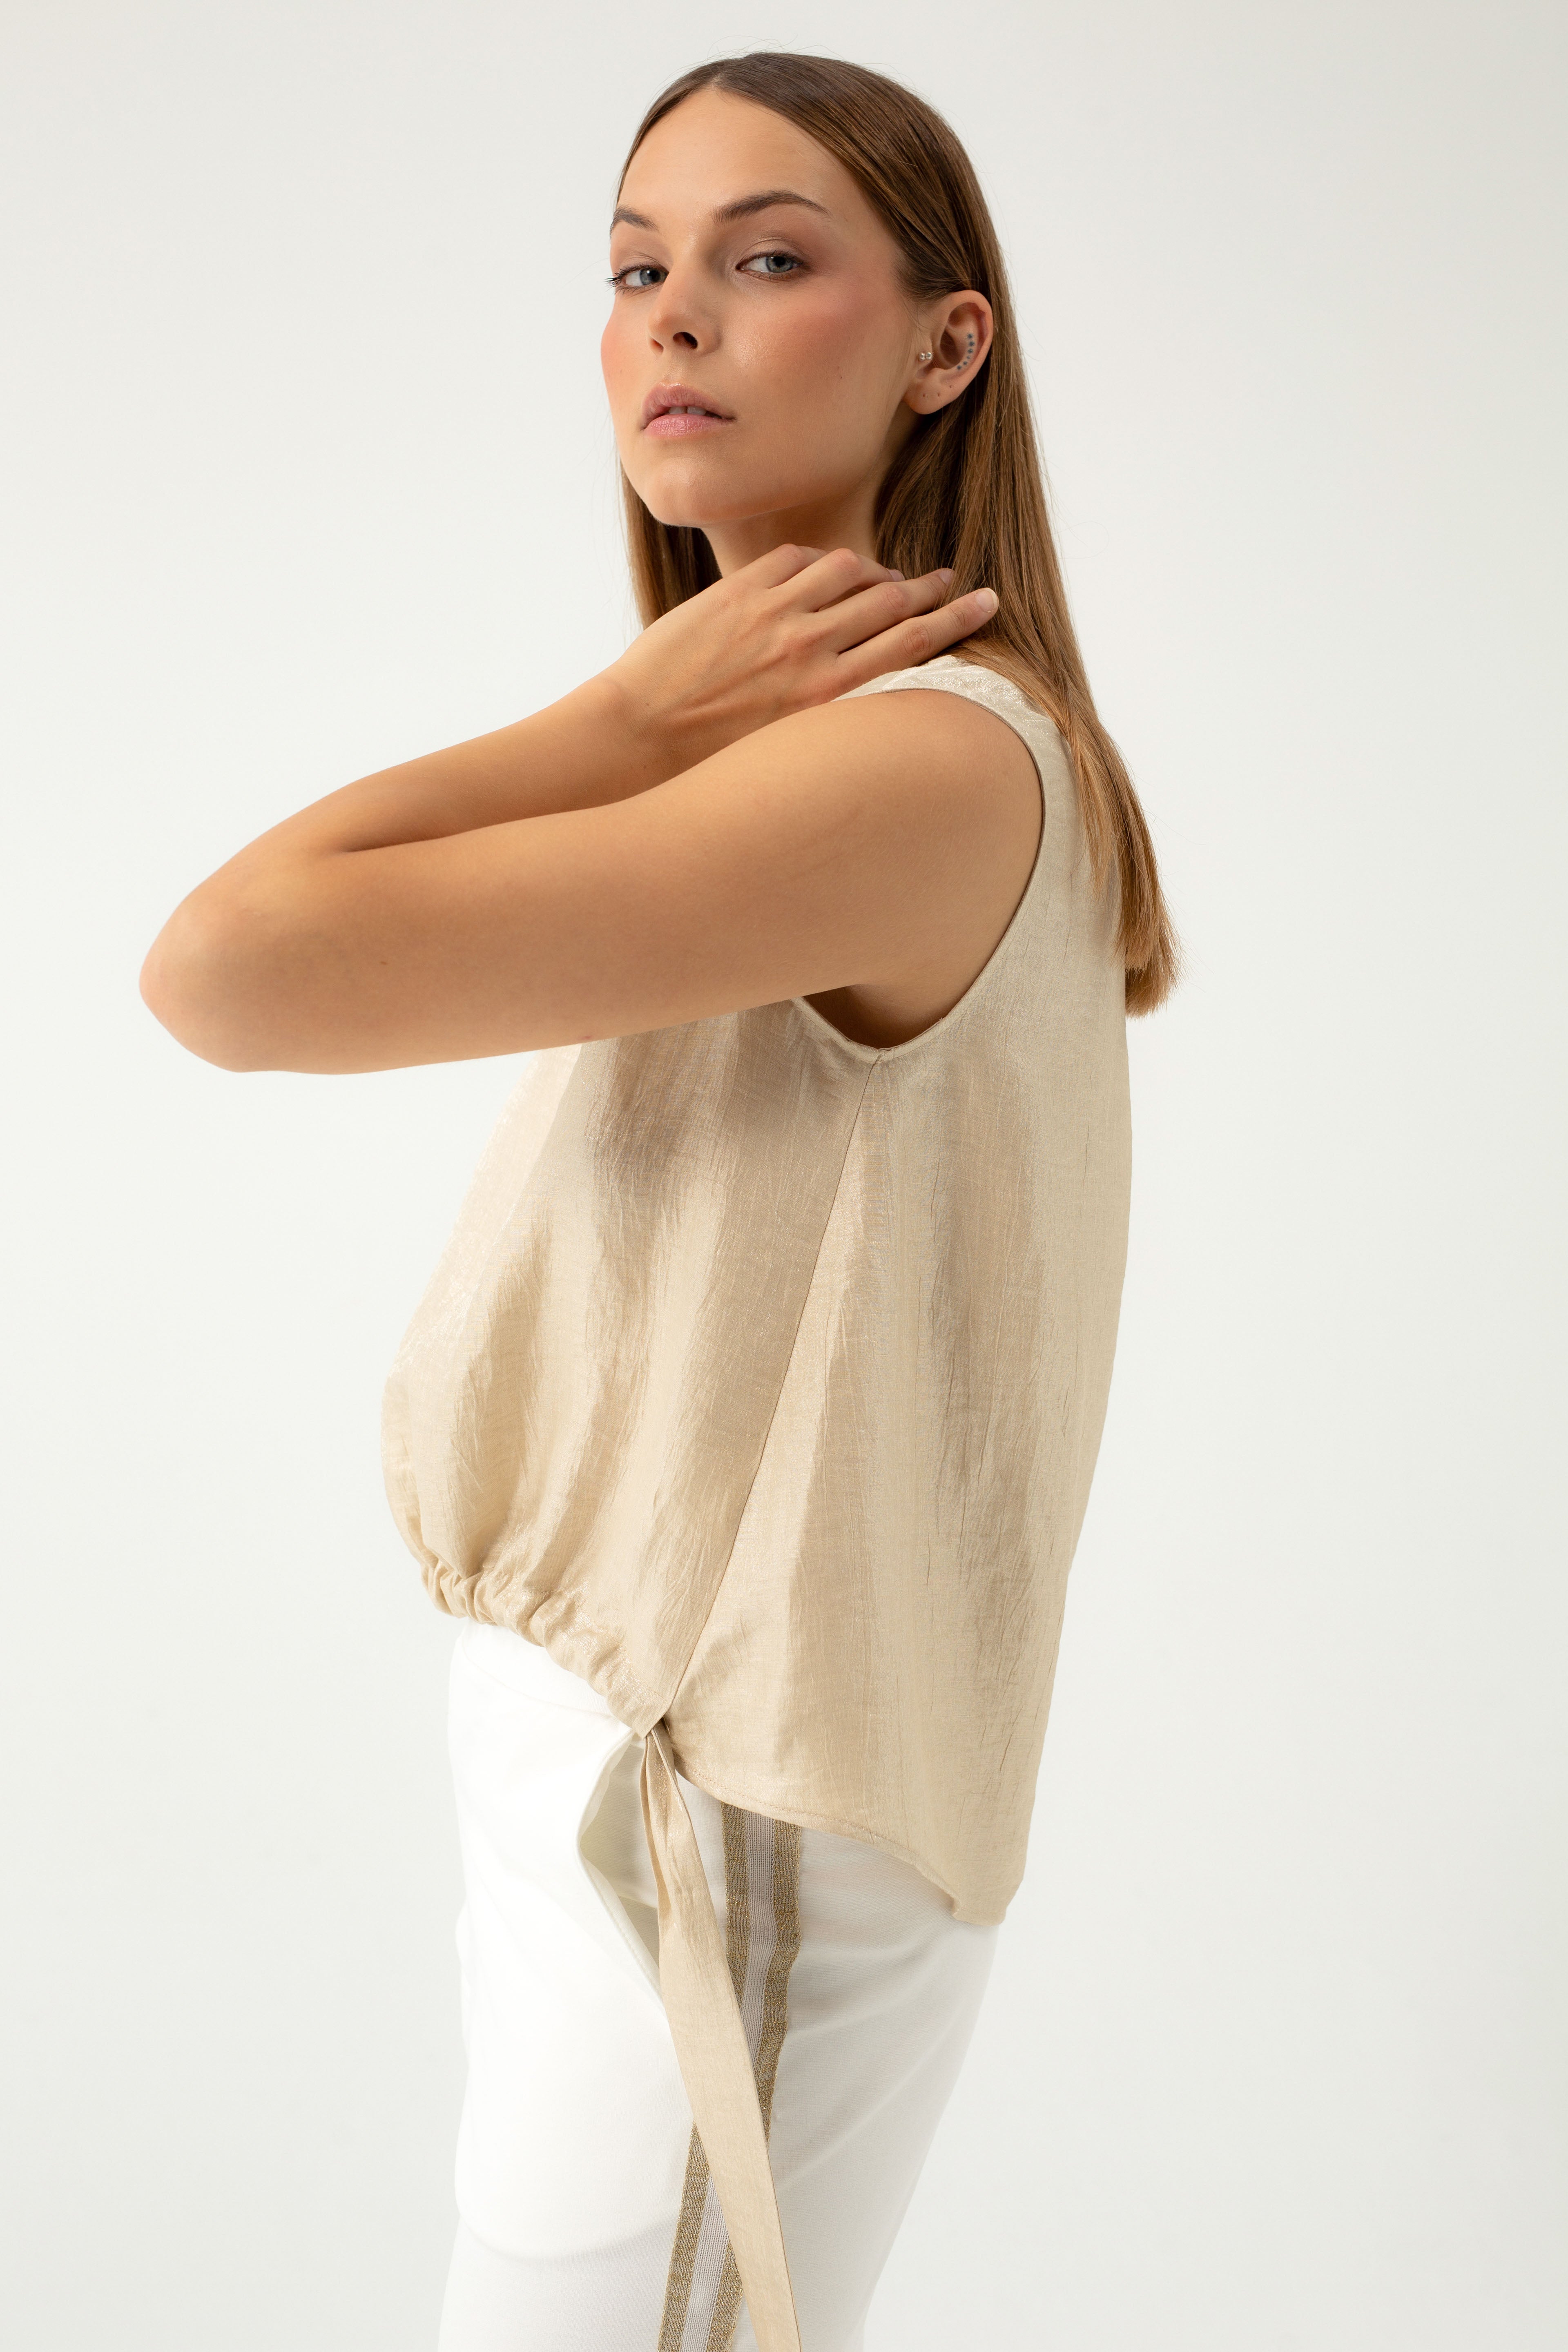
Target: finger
778,565
918,640
881,607
831,577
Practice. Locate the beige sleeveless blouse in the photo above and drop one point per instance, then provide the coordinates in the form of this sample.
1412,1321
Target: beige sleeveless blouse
762,1383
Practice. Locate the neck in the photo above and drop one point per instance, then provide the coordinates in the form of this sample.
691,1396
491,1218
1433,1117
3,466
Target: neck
836,523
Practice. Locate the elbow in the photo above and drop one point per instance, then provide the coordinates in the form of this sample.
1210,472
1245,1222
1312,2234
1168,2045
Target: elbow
203,981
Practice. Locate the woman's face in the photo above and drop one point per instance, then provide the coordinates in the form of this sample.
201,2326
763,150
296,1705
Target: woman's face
755,283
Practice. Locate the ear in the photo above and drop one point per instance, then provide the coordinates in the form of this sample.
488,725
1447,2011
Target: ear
956,332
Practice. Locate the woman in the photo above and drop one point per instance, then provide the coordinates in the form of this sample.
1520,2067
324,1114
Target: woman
749,1420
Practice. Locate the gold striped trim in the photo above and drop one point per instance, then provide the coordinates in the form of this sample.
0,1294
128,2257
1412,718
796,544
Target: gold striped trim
761,1939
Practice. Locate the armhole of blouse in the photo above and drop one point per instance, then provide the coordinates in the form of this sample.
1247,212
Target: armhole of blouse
921,681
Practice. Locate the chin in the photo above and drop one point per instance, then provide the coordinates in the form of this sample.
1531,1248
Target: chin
687,494
689,498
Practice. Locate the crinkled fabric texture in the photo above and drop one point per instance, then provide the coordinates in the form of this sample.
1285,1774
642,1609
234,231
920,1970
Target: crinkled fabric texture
762,1379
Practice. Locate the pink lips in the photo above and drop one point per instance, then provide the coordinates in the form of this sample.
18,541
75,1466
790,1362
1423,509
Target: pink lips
673,411
678,424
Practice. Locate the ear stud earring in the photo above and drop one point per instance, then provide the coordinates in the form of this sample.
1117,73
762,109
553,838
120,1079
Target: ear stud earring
922,355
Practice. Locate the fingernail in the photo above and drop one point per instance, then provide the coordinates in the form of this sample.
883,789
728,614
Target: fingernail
943,573
893,573
995,600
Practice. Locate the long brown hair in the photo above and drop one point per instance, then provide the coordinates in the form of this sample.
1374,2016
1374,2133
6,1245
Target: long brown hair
966,490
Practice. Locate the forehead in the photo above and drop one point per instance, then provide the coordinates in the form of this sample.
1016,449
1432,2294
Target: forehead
714,150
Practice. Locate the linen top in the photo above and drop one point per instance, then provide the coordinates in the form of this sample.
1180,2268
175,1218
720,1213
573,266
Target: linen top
762,1383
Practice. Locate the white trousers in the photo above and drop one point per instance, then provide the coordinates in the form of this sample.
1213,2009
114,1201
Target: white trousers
587,2221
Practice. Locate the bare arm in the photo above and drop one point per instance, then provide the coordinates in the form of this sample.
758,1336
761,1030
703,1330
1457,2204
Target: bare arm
581,874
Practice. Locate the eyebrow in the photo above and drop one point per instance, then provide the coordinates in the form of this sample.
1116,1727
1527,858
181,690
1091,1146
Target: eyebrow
741,209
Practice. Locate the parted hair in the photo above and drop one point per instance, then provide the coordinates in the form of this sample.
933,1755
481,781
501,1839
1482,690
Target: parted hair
966,490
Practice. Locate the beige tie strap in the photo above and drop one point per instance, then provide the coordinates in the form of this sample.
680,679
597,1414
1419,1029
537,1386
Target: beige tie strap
711,2047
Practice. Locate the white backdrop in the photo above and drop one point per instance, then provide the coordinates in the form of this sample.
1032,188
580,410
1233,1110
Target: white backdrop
310,471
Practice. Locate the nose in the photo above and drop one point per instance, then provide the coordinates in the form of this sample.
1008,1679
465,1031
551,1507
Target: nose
676,319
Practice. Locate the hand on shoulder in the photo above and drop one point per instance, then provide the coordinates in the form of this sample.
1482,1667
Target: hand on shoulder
789,632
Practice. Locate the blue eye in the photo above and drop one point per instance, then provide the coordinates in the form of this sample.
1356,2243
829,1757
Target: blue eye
789,265
647,271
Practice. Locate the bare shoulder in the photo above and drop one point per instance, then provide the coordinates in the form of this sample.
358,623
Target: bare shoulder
935,751
935,805
919,710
